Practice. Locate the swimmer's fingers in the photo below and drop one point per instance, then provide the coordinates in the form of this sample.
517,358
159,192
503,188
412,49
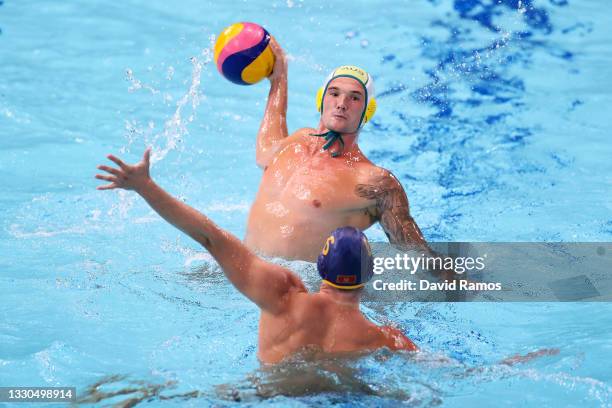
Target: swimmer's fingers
110,186
118,161
110,170
107,187
276,48
280,61
112,179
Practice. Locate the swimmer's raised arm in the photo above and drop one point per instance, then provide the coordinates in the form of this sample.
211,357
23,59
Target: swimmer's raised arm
273,128
264,283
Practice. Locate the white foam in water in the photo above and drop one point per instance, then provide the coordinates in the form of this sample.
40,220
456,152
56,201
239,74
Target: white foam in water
191,255
197,257
123,205
45,360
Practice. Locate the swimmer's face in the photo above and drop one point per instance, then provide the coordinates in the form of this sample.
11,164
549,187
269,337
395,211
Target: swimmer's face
343,105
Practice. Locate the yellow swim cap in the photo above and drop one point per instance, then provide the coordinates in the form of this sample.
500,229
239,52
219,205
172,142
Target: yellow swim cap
363,78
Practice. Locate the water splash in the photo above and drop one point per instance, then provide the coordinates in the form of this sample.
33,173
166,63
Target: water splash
175,127
136,84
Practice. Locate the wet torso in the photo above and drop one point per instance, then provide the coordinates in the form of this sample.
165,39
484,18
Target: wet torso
304,195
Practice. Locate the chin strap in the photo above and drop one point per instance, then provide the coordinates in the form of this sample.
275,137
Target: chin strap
331,137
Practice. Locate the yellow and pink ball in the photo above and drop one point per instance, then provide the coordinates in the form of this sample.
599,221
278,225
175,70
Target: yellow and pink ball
243,54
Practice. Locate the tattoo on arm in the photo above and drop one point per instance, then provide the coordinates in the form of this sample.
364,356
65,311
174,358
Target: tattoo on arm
392,210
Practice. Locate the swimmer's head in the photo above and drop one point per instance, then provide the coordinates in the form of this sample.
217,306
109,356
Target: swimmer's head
346,260
346,100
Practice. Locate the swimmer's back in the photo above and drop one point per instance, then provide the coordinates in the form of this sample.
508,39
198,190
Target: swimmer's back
315,320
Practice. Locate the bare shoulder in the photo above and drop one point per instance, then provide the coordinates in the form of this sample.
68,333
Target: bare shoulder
396,340
300,136
269,285
379,184
379,176
374,336
306,306
304,131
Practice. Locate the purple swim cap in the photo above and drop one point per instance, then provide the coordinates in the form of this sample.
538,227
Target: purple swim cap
346,260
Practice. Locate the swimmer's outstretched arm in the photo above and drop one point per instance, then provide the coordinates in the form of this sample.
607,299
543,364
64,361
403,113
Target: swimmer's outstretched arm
273,128
266,284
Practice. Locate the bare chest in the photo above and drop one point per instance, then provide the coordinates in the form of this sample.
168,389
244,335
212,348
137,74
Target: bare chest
300,177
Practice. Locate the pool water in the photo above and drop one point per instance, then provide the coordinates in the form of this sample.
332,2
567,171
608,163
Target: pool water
493,115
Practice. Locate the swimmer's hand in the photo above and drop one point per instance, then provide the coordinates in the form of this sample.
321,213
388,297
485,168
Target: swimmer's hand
129,177
279,71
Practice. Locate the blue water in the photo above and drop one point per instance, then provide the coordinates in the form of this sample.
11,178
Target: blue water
491,113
